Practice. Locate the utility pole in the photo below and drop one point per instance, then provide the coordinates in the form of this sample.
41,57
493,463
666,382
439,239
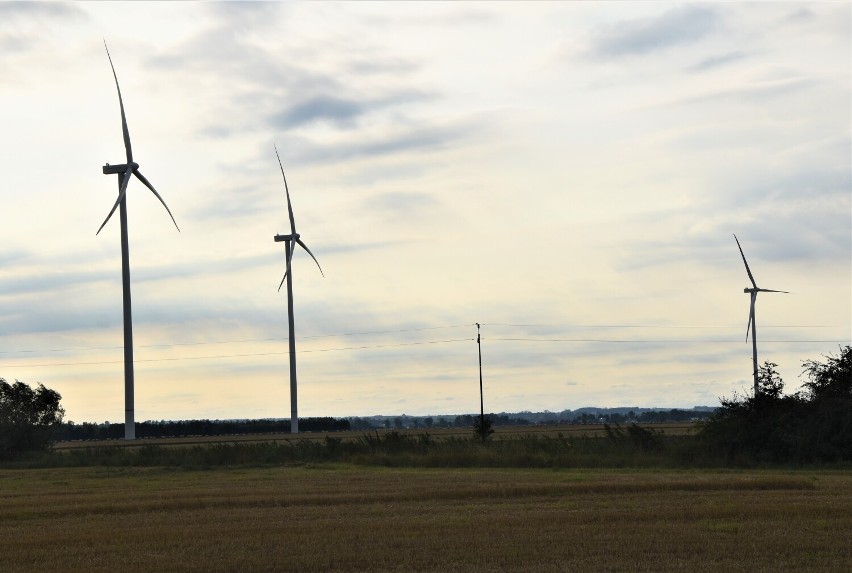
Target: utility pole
481,402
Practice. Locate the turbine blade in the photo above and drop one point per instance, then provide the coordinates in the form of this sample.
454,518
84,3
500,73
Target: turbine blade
748,270
289,261
751,315
770,290
289,206
154,191
304,246
121,192
124,129
290,258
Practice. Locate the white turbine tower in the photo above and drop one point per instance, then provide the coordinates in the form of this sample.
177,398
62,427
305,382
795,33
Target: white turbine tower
752,325
290,242
124,172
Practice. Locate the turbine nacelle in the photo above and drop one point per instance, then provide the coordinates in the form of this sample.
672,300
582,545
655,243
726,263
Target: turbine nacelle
756,290
292,237
115,169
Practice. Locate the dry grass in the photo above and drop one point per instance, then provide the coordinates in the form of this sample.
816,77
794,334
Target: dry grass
340,518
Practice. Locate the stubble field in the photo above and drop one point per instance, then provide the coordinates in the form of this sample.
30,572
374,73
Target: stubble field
334,517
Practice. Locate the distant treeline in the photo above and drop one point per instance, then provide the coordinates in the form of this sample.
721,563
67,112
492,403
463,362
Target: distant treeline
581,416
166,429
68,431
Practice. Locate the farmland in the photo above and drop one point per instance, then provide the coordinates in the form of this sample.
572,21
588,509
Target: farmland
340,517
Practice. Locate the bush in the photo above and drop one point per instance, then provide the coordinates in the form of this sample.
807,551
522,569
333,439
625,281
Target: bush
814,426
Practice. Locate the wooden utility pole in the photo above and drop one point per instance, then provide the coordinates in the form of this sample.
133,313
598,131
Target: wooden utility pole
481,401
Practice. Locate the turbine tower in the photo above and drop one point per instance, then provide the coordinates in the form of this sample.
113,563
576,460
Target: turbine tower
290,242
124,171
751,322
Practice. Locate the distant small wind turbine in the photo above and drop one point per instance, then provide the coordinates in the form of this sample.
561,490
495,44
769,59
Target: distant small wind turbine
124,172
751,321
290,242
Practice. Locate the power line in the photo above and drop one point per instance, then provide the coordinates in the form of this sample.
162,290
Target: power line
254,354
662,326
419,343
635,341
428,328
276,339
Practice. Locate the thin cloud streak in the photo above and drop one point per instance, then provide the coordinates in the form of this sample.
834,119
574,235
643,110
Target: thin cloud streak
684,24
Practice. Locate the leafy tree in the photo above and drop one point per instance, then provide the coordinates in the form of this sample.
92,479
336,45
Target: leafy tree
828,411
27,418
832,379
769,382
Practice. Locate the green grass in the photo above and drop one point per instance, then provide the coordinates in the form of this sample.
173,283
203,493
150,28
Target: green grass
341,517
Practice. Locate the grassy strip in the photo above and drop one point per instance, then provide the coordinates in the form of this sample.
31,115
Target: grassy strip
633,447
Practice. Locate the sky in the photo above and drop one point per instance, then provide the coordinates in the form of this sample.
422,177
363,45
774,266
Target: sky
568,175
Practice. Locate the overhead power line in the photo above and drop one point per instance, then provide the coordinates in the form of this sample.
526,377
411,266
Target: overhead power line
661,326
454,326
246,355
641,341
247,340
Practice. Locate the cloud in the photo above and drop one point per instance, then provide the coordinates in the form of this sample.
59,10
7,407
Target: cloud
27,23
718,61
29,284
12,256
402,203
376,64
27,10
800,15
677,26
343,112
339,249
307,150
234,203
336,110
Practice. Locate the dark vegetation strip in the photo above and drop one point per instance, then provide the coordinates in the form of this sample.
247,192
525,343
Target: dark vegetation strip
630,447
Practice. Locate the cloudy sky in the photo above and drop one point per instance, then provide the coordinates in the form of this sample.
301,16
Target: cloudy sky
569,175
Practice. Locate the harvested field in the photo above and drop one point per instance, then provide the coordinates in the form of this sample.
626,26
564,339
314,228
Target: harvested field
342,518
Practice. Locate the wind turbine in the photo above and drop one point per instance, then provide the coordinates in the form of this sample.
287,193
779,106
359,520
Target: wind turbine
124,171
751,321
290,242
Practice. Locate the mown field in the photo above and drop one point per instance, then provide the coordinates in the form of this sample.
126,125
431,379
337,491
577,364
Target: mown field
340,517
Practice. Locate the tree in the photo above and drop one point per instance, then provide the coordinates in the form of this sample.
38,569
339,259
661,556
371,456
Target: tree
828,396
832,379
27,418
769,382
